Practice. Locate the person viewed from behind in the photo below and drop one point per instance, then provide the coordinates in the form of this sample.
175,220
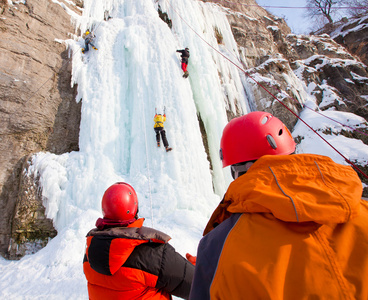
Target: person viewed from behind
159,129
288,227
184,60
88,39
125,260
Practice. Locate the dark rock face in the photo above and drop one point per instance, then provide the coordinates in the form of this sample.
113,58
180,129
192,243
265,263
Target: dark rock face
354,36
31,230
274,57
325,62
38,111
275,53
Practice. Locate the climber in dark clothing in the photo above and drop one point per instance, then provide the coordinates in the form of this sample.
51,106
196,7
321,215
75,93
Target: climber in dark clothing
88,39
184,60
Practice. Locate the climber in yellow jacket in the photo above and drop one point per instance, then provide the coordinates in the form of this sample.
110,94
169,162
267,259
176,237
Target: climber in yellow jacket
159,129
289,226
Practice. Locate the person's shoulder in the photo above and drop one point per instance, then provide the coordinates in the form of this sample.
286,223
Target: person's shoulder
154,234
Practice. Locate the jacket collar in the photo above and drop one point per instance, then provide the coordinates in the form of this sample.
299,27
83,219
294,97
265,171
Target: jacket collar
298,188
294,188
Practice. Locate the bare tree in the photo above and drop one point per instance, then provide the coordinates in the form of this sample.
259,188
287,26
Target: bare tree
357,7
320,7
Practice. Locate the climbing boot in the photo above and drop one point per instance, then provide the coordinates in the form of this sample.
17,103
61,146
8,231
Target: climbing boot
158,144
168,149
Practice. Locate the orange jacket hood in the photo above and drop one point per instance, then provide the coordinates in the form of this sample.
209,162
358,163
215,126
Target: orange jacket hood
294,188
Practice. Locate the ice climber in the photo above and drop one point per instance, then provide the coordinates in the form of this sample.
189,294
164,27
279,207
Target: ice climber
88,39
184,61
125,260
289,226
159,129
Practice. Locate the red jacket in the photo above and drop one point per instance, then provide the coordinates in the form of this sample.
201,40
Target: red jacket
134,262
292,227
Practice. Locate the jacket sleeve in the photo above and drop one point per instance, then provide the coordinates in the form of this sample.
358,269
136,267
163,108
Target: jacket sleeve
176,273
208,255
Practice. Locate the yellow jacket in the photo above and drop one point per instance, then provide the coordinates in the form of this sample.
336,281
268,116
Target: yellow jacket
292,227
159,121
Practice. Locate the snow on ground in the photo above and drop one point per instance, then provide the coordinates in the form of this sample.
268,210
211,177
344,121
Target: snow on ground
358,24
354,150
135,72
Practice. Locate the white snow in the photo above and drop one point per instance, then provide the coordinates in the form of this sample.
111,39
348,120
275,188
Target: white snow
349,80
360,25
329,96
68,10
135,71
273,28
358,77
10,2
322,122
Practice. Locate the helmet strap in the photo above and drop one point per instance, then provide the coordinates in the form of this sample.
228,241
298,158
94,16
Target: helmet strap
241,168
136,215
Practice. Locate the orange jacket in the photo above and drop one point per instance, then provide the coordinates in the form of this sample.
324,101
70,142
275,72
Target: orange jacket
292,227
134,262
159,121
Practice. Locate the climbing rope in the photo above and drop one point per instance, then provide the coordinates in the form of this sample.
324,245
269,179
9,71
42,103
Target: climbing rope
288,7
272,95
148,165
147,158
296,101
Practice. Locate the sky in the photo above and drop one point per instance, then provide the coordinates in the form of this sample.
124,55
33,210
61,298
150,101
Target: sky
294,17
135,72
294,13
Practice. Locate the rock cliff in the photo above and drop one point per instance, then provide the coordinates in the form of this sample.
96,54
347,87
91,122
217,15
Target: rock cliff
288,65
351,33
39,111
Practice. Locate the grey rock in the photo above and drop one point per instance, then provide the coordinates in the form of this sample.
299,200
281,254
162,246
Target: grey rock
38,111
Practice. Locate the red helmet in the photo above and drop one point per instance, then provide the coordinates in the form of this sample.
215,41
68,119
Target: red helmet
120,202
253,135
